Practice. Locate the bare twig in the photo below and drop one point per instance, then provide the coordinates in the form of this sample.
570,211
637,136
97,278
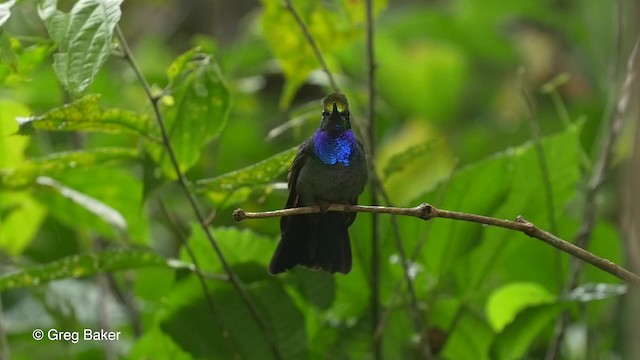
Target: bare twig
4,344
428,212
375,224
312,43
175,228
193,202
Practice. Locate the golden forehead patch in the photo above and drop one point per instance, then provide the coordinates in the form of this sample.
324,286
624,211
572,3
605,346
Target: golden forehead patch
339,99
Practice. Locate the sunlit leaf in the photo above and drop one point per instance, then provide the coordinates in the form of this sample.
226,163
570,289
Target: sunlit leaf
77,266
20,214
117,188
399,160
356,9
84,39
96,207
291,48
261,173
86,114
20,219
26,172
507,301
155,344
198,112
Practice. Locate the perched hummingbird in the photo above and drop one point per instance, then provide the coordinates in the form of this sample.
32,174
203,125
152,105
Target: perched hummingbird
330,168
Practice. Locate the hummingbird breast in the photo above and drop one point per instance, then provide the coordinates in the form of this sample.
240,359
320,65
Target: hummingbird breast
335,171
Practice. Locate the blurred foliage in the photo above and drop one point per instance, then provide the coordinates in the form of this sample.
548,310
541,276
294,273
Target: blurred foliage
85,179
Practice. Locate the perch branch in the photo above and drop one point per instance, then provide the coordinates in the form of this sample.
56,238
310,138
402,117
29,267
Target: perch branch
428,212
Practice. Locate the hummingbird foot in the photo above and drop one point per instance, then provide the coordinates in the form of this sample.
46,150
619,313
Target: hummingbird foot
323,205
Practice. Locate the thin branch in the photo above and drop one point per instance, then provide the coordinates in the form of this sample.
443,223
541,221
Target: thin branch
4,344
312,42
428,212
184,185
425,347
375,223
175,228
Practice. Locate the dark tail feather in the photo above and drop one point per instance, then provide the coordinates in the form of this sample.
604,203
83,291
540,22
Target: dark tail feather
315,241
292,248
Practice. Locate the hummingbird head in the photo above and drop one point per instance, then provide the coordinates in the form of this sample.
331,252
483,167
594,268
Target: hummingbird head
335,114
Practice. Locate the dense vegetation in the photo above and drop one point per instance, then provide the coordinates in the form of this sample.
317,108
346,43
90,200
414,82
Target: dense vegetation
495,108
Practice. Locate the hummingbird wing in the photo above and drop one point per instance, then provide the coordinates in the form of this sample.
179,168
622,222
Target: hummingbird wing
294,171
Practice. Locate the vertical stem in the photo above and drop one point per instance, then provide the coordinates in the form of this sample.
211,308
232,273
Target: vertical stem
193,202
375,224
4,344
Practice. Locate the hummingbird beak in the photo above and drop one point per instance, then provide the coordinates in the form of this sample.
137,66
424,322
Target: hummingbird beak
335,114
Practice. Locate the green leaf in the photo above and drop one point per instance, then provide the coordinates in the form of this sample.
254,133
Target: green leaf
27,172
517,193
264,172
198,110
5,11
20,219
77,266
85,114
84,39
471,339
291,48
239,247
188,317
155,344
20,215
18,60
517,337
399,160
508,300
96,207
117,188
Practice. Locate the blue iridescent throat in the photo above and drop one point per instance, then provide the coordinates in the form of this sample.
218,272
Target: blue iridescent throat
333,149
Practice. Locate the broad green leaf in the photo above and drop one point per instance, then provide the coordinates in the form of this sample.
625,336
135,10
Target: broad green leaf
114,187
11,146
84,39
5,11
96,207
18,59
20,219
508,300
502,250
238,246
291,48
516,338
471,338
188,317
261,173
416,158
356,9
399,160
85,114
154,344
25,174
198,110
77,266
20,215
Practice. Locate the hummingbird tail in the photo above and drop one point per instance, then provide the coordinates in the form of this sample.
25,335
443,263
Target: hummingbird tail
315,241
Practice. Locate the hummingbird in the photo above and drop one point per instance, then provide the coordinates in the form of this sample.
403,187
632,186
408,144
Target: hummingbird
329,168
